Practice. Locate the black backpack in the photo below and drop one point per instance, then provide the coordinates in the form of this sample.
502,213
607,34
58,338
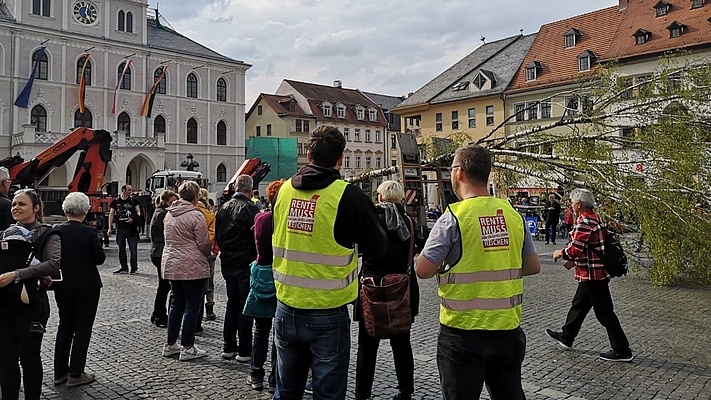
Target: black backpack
614,258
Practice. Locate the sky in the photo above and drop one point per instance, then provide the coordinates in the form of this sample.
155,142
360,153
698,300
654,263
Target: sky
390,47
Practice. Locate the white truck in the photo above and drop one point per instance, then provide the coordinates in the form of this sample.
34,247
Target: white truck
171,180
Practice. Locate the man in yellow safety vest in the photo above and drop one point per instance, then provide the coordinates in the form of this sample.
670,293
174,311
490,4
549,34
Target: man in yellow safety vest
318,219
479,249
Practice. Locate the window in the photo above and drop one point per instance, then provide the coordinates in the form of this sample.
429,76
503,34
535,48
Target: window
326,110
626,88
393,141
121,21
489,115
161,88
644,84
675,81
572,105
347,162
697,3
378,162
367,162
269,129
301,149
221,133
546,108
372,115
532,109
306,126
129,22
83,120
471,114
357,162
123,124
569,40
360,113
455,120
519,111
158,125
627,136
393,163
126,81
583,64
298,127
438,122
41,7
38,118
489,110
479,81
641,36
662,8
378,137
259,131
192,85
43,67
221,90
192,131
460,86
259,109
357,135
221,173
346,133
676,29
367,135
532,70
87,71
341,110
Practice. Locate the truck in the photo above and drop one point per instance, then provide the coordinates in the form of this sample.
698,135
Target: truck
171,179
254,167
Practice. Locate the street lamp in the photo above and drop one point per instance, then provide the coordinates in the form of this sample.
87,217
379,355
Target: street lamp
190,164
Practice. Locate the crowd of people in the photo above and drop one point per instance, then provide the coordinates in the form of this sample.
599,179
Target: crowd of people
290,267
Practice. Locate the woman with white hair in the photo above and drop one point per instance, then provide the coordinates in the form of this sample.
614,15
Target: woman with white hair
396,260
77,296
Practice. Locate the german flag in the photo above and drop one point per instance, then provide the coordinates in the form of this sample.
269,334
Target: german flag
151,95
82,83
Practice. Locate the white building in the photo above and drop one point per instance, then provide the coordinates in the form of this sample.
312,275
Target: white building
199,108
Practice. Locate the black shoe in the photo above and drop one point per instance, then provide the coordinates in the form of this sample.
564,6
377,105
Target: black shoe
162,322
209,314
546,242
36,327
82,379
401,396
555,244
198,331
133,271
558,337
121,271
309,389
256,382
614,355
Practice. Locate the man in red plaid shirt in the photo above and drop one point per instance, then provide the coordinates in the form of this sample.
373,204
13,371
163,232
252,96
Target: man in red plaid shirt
584,252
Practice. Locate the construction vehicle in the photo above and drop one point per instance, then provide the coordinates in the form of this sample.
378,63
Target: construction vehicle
94,147
253,167
171,180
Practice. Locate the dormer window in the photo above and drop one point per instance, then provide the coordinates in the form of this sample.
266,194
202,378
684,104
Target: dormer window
676,29
360,113
372,115
571,38
341,111
697,3
662,8
327,109
479,81
586,60
484,80
641,36
532,70
460,86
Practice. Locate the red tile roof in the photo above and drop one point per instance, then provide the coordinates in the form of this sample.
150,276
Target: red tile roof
641,14
560,64
280,105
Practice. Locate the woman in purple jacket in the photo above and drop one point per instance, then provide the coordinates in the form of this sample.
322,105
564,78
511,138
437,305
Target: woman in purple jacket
185,265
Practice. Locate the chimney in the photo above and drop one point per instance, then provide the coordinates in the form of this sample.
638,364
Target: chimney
623,4
337,84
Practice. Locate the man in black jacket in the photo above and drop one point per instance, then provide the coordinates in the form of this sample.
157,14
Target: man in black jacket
5,203
552,218
234,235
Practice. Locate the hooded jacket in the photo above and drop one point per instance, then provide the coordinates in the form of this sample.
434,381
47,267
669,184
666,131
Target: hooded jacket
209,220
187,243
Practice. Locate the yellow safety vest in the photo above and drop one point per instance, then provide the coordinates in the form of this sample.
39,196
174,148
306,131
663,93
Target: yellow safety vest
484,289
311,270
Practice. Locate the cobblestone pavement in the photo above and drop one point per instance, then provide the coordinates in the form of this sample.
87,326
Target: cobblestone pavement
668,329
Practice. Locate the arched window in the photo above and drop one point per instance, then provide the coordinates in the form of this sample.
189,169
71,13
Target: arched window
126,82
158,125
38,118
162,85
221,173
192,131
121,25
221,134
123,124
129,22
192,85
221,90
87,71
43,69
85,119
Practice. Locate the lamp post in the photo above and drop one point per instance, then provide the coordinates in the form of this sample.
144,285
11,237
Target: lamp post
190,164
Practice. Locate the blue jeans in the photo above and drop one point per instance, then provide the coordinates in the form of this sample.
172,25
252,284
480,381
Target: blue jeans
123,235
319,339
262,328
185,308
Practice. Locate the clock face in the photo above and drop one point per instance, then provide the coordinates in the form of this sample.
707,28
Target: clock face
85,12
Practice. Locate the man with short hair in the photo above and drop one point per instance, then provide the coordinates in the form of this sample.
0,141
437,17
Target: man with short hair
479,249
129,217
235,238
318,220
255,199
584,252
552,218
5,203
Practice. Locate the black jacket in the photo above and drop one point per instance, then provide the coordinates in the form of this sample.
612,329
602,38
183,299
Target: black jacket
5,212
552,216
233,232
156,230
81,253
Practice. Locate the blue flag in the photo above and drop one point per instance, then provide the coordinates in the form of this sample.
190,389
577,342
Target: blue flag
24,98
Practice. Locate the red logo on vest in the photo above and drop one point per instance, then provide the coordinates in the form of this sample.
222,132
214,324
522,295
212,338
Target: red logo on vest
493,230
302,214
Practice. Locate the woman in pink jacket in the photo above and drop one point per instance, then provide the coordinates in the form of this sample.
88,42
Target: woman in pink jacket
185,265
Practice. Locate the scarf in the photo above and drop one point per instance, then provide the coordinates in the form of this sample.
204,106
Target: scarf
394,221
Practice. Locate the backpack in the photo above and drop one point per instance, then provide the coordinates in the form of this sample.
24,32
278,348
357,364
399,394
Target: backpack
614,258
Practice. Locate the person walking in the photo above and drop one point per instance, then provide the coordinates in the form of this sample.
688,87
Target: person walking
5,203
552,218
21,343
318,220
159,316
77,296
484,250
125,209
184,262
396,260
204,206
233,231
584,253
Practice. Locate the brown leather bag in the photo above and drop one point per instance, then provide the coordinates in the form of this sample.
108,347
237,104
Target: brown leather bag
386,304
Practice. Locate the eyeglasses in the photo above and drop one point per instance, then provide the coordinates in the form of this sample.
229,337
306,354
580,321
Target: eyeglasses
453,167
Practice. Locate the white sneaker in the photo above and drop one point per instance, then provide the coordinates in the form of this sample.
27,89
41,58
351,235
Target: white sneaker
244,359
171,349
191,353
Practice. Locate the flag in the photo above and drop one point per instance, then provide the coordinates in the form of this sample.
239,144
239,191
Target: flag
151,95
23,99
118,85
82,83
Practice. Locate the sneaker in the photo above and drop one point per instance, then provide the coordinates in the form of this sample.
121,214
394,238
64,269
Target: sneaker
121,271
133,272
614,355
36,327
228,355
61,380
558,337
82,379
210,315
171,349
309,389
256,382
191,353
244,359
